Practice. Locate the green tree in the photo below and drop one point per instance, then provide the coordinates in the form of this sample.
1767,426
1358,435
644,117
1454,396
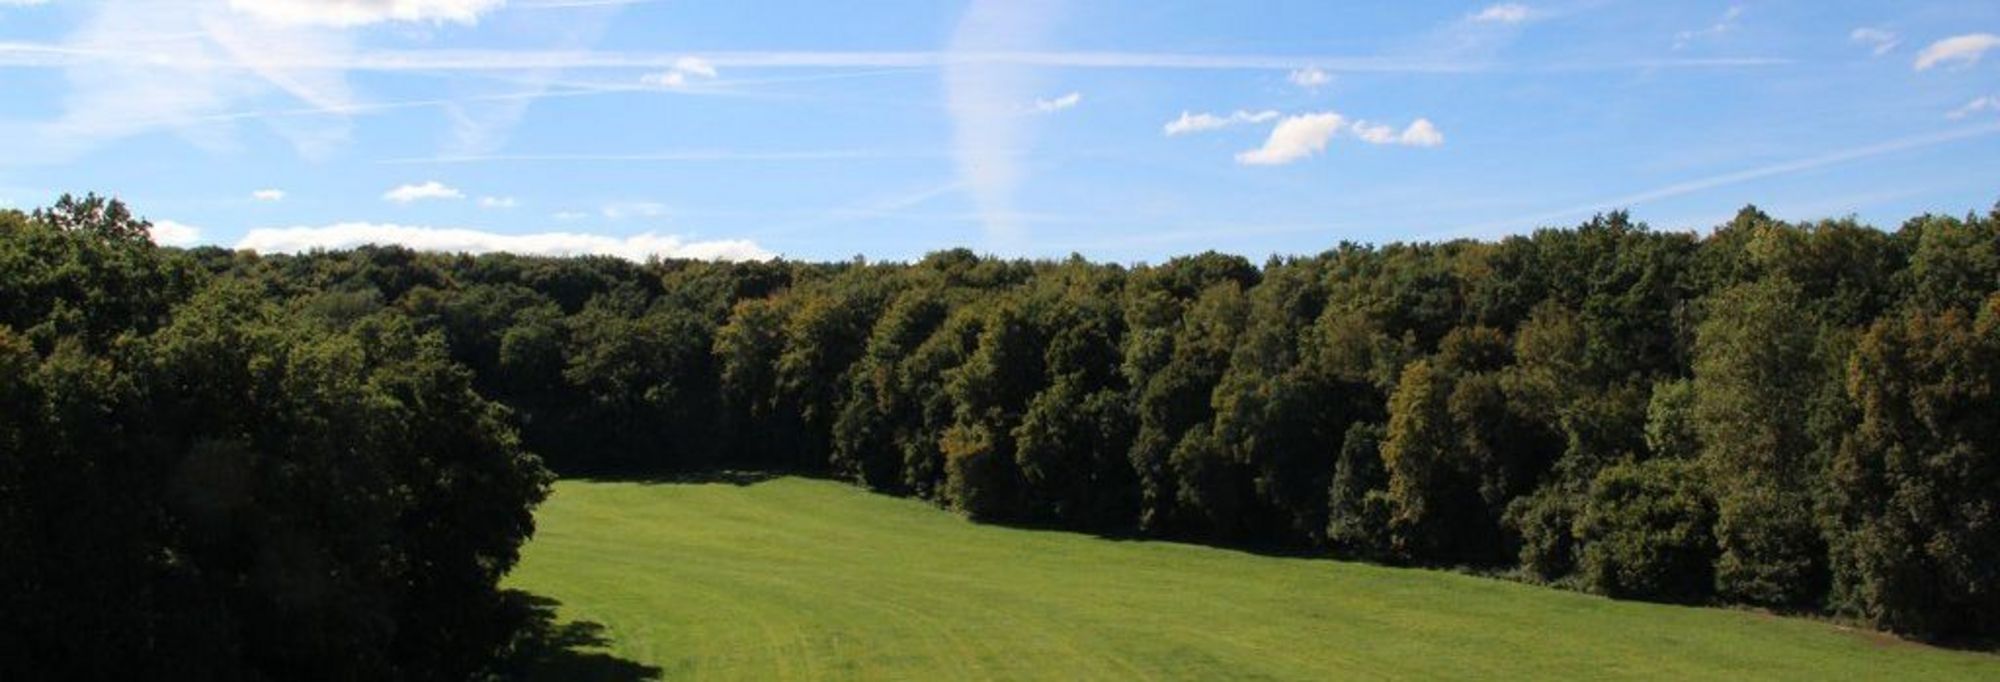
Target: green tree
1647,532
1754,370
1913,488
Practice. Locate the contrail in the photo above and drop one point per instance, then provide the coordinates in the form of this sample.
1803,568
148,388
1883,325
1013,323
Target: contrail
39,55
1739,177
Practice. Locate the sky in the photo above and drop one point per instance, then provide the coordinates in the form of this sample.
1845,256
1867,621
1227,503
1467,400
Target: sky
1122,130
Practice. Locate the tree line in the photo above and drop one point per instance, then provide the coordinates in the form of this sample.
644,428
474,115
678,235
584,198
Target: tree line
1795,415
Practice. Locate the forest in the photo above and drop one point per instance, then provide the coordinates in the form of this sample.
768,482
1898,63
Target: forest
318,466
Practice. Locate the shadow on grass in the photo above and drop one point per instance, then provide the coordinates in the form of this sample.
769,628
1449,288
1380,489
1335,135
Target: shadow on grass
545,649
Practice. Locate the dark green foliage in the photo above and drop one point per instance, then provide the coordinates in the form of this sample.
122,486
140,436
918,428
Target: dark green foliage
1753,374
1646,531
1545,522
85,269
1358,507
234,489
1434,492
979,480
641,384
1914,485
1670,428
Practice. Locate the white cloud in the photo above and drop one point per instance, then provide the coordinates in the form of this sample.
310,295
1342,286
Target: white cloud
678,75
1724,26
1298,137
1295,137
430,190
665,79
1503,13
497,202
1879,41
1421,133
452,240
170,233
1374,133
633,209
1058,104
568,216
695,66
345,13
268,195
1194,123
1965,50
1310,78
1987,103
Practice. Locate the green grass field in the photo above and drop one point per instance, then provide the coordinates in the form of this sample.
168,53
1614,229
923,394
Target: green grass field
793,579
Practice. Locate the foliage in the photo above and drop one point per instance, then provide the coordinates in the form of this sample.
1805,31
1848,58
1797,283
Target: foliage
1646,531
1919,540
231,489
1796,415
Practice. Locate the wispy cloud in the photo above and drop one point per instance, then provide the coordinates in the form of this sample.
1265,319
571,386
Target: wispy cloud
1310,78
403,194
982,97
1503,13
683,70
683,156
1977,105
1738,177
877,208
497,202
1879,41
346,13
456,240
695,66
1726,25
576,4
268,195
137,66
446,60
1190,122
161,59
633,209
1048,106
1962,50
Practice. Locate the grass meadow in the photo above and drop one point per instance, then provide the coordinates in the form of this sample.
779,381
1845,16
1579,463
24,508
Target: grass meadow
802,579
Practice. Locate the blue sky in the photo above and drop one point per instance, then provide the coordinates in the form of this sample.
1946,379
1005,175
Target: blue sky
1122,130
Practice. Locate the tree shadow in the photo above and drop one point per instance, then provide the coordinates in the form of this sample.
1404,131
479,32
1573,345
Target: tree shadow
734,477
544,649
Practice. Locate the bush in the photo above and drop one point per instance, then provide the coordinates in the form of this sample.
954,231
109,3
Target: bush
1646,531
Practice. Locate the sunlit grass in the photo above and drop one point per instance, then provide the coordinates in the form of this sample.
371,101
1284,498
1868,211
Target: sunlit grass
803,579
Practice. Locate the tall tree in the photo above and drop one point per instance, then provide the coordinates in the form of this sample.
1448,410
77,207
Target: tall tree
1919,547
1754,370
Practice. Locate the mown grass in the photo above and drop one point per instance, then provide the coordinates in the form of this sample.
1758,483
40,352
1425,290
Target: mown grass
797,579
